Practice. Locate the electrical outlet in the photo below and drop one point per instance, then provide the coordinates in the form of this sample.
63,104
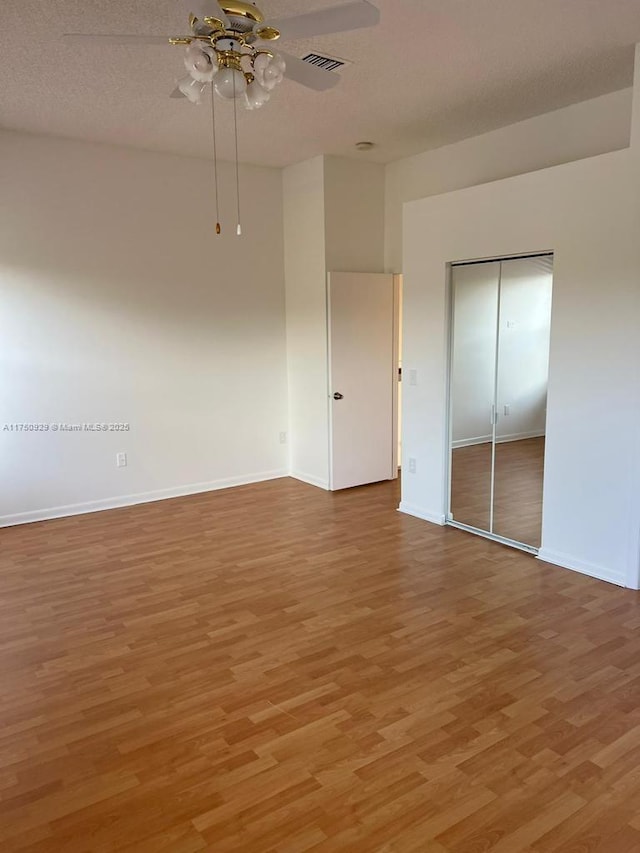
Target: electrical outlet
412,466
121,460
283,438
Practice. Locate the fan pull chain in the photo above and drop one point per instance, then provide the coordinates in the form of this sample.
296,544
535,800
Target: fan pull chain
235,127
215,160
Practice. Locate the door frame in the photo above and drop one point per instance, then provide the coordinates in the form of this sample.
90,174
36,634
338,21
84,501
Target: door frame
397,378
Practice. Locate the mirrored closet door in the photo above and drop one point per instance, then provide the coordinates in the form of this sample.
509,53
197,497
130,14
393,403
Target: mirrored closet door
501,316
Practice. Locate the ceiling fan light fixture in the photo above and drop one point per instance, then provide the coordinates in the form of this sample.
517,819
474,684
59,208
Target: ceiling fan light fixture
230,83
269,70
256,96
201,61
192,89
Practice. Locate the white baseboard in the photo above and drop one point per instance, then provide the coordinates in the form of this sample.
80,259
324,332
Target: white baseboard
133,500
309,480
470,442
503,439
519,436
419,512
566,561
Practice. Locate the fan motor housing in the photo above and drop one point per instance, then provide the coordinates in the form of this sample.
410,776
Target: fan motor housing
240,9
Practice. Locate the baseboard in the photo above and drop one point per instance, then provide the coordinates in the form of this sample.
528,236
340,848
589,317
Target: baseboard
419,512
519,436
133,500
309,480
503,439
566,561
471,442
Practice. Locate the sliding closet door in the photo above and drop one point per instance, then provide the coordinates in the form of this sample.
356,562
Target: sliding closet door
475,308
522,374
501,323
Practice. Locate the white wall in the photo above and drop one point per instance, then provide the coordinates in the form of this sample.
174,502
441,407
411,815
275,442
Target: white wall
582,130
588,214
354,215
509,332
305,275
119,304
333,222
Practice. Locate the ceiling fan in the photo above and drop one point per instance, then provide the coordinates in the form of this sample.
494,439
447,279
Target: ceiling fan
229,46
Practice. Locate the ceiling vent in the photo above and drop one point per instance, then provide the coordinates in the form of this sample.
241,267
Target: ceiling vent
327,63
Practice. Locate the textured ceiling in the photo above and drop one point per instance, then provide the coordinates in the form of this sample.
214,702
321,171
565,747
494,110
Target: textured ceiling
433,72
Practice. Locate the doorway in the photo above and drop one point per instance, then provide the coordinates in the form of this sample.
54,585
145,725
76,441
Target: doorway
499,367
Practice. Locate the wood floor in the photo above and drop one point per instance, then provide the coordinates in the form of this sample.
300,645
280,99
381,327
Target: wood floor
275,668
519,469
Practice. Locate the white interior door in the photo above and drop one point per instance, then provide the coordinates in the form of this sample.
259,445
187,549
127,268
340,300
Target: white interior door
363,369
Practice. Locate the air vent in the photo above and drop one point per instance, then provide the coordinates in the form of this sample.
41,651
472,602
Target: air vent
327,63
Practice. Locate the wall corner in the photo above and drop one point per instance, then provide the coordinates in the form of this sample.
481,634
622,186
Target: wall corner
635,118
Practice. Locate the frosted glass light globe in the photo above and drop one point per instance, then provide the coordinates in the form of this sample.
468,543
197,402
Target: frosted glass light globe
269,70
274,74
255,96
230,83
260,63
192,89
201,61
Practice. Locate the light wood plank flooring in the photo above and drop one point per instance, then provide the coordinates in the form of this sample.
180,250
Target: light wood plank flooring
275,668
518,488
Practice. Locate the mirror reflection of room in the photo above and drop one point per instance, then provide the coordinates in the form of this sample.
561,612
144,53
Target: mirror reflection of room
501,315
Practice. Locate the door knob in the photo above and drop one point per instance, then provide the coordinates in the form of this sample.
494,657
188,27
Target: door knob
338,396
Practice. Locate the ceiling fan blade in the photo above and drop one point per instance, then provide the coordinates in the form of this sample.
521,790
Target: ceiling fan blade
74,38
308,75
177,93
202,9
336,19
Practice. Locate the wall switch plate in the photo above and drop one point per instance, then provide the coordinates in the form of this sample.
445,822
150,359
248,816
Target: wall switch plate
283,438
413,376
507,409
412,466
121,460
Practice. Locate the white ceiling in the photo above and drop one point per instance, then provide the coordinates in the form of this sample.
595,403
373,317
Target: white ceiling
433,72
